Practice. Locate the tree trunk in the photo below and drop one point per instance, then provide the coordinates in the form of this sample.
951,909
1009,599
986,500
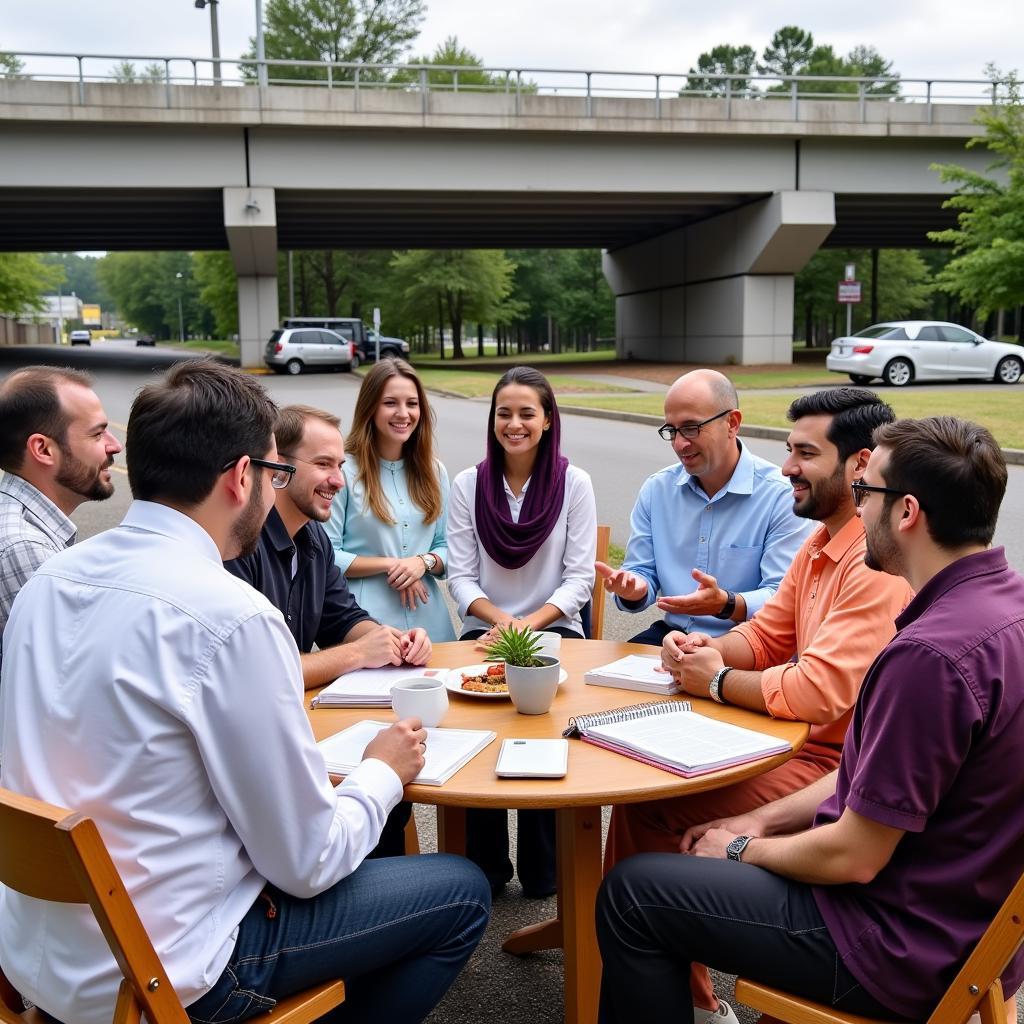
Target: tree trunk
480,341
440,321
455,307
1000,324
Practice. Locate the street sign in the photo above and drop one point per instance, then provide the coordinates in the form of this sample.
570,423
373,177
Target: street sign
376,317
848,291
851,272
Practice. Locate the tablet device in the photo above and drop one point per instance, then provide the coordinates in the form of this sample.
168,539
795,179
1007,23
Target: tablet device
533,759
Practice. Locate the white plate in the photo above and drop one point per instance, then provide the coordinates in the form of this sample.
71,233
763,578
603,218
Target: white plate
453,682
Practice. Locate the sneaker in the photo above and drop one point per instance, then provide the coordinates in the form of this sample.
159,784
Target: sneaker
723,1015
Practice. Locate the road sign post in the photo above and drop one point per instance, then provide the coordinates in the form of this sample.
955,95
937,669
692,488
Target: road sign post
848,293
376,334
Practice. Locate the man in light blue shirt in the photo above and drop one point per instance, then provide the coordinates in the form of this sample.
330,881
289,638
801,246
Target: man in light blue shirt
713,535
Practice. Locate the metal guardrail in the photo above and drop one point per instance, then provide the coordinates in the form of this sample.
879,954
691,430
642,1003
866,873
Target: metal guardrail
657,87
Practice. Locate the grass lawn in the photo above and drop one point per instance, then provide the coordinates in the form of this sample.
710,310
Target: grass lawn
531,358
480,385
221,348
1001,411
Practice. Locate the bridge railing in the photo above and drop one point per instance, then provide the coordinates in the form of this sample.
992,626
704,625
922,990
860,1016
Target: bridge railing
733,94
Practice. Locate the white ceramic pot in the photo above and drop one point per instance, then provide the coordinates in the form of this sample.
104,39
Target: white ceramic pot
533,689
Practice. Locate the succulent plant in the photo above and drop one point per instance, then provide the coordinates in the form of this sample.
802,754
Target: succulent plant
518,647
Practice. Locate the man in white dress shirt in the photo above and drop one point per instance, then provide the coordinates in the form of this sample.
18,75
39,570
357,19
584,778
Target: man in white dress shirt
147,687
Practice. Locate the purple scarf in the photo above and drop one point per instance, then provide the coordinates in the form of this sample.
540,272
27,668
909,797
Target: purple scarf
511,544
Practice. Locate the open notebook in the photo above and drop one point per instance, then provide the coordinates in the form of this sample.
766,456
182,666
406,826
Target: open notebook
447,750
669,735
369,687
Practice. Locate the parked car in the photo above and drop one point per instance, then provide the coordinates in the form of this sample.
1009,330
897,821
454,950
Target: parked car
80,338
292,350
145,339
906,350
355,330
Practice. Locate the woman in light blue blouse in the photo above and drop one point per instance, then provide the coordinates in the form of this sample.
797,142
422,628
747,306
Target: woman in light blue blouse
388,522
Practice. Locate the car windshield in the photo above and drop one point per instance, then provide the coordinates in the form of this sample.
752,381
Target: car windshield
883,332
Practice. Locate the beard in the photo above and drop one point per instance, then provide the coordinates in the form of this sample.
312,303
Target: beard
824,498
882,553
248,526
82,479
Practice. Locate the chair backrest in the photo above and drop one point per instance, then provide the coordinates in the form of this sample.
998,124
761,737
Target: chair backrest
52,854
977,985
598,594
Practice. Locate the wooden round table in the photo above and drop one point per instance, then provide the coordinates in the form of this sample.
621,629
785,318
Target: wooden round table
595,777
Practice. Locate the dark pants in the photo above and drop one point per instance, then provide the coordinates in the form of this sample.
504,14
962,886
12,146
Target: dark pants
487,833
653,634
392,836
657,913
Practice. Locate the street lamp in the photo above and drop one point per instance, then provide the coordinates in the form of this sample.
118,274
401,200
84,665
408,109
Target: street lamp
214,37
261,51
181,319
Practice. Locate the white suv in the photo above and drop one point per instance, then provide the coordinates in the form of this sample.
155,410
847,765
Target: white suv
905,350
80,338
294,349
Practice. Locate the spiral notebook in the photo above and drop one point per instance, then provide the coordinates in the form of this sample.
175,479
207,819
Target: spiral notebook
671,736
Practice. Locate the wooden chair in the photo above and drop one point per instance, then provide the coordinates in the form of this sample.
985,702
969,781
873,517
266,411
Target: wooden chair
592,613
976,988
52,854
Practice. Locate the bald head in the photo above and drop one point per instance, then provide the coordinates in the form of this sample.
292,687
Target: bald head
706,387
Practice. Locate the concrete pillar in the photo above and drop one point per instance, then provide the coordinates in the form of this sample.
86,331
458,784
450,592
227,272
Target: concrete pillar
250,219
719,291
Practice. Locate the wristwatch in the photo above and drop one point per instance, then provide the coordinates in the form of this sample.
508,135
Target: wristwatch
729,607
430,561
715,685
734,851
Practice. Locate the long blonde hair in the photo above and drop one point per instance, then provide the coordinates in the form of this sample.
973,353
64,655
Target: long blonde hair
417,451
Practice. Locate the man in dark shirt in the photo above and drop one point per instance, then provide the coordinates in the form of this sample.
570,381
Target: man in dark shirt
868,889
293,567
293,564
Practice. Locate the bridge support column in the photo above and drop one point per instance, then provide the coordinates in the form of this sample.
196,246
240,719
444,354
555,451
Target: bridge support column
719,291
250,219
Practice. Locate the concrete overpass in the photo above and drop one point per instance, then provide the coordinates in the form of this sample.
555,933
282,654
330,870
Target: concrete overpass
706,209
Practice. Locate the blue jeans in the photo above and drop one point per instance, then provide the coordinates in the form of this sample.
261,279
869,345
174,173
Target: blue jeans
397,931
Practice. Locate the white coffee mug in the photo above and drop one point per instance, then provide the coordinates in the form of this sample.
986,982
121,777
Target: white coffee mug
549,642
420,697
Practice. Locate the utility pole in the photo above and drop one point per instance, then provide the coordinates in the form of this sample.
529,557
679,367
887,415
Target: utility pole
261,52
214,36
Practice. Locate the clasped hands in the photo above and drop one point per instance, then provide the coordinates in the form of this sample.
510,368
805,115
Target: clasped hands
385,645
691,659
711,838
406,577
484,642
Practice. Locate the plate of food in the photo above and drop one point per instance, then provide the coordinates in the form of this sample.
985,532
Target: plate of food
486,681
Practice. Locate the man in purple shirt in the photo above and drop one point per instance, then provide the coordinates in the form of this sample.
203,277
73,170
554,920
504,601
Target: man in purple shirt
868,889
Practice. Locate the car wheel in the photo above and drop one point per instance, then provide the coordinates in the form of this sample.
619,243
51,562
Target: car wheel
294,367
354,365
859,378
898,373
1009,370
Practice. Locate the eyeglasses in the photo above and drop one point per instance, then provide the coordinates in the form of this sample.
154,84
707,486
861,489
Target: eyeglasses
282,472
861,491
688,430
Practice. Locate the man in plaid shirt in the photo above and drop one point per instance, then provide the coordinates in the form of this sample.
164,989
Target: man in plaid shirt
56,452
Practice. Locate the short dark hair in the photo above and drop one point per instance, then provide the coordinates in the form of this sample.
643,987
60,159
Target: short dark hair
30,404
856,414
184,429
954,468
290,426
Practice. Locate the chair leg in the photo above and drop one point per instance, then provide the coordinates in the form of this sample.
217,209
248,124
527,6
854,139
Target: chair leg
992,1007
412,837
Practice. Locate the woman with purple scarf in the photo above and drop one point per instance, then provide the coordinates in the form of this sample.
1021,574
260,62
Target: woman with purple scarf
522,534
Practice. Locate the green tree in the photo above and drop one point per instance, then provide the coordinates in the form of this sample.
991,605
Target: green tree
80,274
723,60
10,66
146,288
218,290
471,284
126,73
451,54
987,268
24,279
370,31
788,53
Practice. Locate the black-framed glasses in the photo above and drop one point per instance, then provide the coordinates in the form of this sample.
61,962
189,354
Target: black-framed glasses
281,475
861,491
688,430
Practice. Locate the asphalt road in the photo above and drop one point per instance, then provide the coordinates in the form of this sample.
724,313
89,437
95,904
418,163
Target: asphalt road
619,456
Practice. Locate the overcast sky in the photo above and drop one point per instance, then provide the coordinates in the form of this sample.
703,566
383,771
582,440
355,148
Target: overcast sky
923,38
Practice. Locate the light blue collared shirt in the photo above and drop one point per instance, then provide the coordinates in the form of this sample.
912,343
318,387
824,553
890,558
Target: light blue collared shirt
745,536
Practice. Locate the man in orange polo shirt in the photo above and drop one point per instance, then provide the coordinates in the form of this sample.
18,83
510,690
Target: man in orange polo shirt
803,655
